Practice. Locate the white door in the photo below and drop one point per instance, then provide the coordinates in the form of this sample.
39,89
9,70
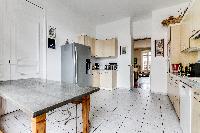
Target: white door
26,36
4,44
22,32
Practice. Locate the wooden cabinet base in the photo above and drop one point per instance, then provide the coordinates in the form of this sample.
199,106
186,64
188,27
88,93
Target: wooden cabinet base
85,113
39,124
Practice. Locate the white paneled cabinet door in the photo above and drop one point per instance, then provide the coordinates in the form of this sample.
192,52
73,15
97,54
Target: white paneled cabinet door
26,40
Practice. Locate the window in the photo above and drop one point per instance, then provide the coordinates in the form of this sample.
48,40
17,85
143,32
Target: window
146,60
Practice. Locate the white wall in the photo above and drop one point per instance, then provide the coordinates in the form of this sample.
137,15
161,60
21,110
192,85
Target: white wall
68,25
142,28
159,64
121,30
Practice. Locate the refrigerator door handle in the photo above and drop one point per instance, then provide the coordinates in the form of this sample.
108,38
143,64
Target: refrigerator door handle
76,66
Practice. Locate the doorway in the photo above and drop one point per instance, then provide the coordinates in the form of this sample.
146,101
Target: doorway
142,63
21,50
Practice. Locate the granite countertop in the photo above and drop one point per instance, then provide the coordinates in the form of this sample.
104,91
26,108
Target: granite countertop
193,82
36,96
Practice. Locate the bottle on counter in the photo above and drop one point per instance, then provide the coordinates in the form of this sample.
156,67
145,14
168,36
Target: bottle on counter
187,71
180,69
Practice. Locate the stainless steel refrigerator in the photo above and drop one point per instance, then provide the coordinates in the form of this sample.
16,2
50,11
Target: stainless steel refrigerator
75,64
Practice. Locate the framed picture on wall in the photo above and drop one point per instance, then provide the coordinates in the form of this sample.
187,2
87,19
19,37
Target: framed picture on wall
52,32
51,37
123,50
159,47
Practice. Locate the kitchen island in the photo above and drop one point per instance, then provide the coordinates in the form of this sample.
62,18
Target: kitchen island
36,97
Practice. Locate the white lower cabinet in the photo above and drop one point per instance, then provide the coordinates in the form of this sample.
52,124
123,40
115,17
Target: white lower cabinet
189,109
95,78
186,102
174,93
185,108
195,124
108,79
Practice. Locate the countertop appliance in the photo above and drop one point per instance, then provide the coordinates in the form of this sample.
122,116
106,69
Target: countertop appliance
75,64
107,67
185,107
111,66
96,66
195,70
175,68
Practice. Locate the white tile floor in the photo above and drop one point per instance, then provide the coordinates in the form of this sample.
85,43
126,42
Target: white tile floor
119,111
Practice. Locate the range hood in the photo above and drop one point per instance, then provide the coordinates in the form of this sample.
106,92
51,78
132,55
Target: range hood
195,38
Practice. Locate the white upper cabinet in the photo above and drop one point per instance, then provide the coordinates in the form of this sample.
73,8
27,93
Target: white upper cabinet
111,47
88,41
106,48
195,10
100,48
175,44
81,39
186,31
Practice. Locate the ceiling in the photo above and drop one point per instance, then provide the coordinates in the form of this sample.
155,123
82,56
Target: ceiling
103,11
